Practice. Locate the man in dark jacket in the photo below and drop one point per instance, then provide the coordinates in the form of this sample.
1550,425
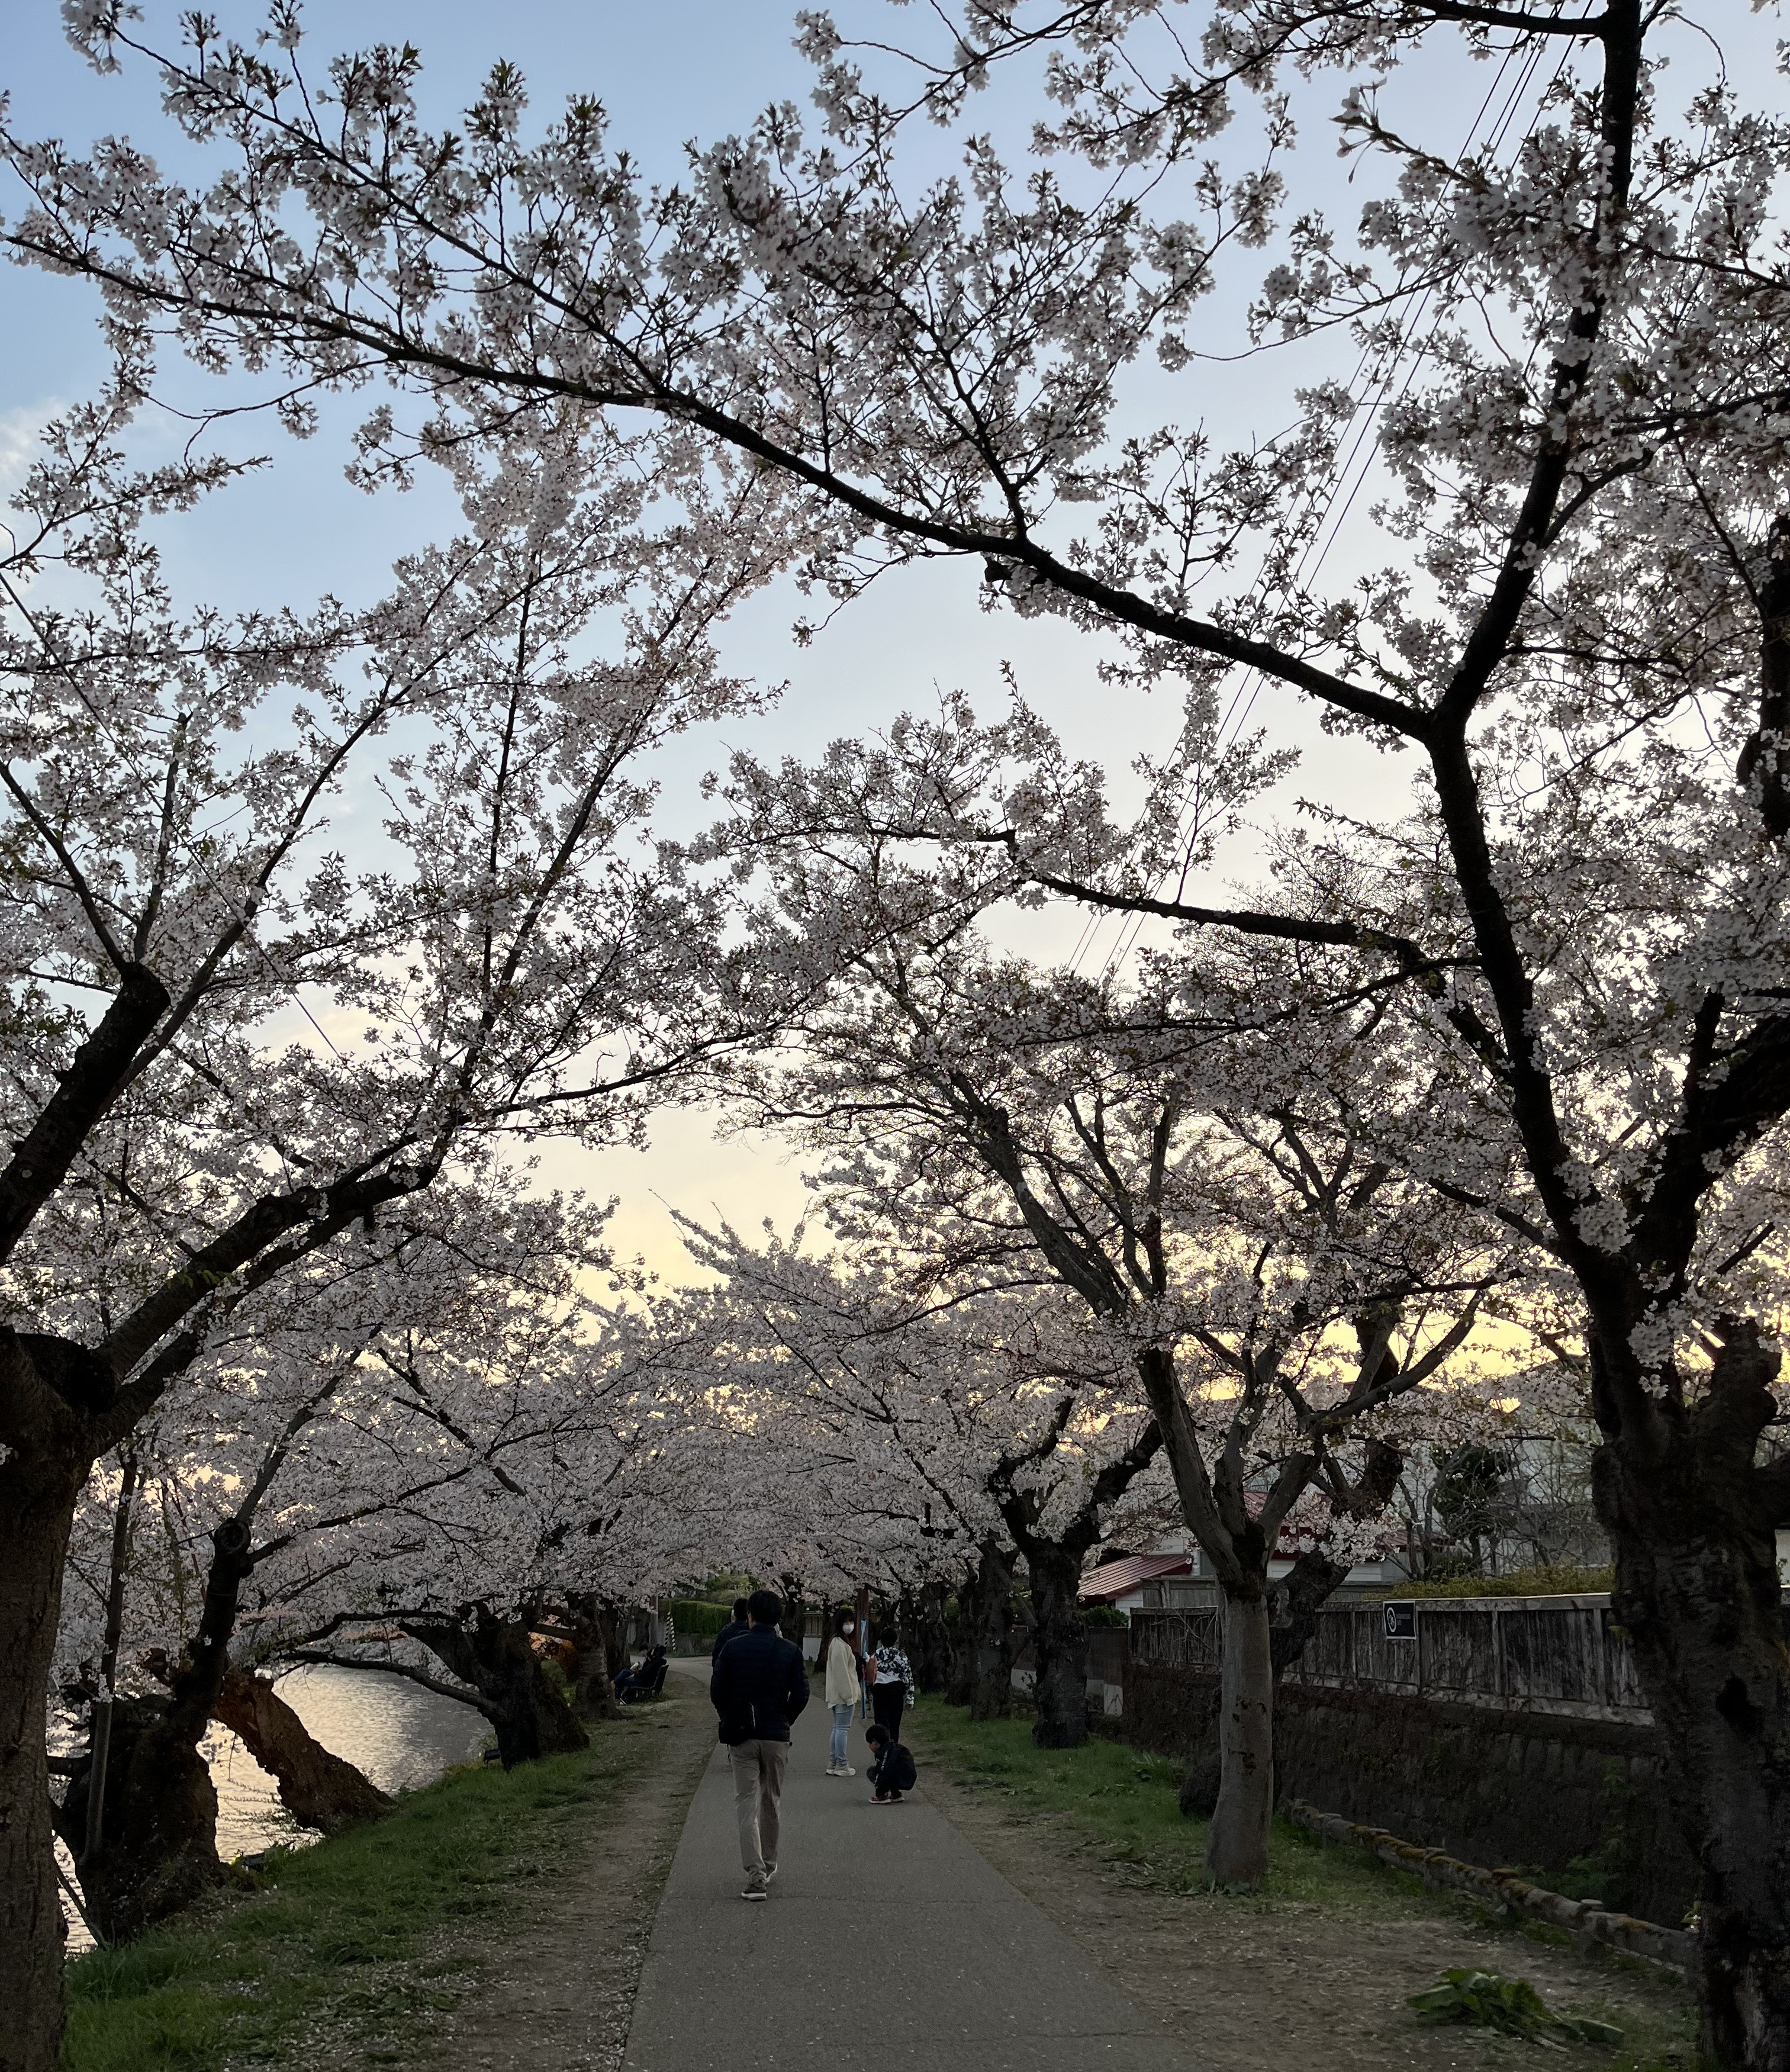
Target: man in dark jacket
734,1629
758,1685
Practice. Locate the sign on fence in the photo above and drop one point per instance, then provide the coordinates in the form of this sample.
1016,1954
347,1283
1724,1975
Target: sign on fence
1400,1620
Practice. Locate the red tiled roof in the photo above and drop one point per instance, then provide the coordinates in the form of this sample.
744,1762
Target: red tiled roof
1113,1579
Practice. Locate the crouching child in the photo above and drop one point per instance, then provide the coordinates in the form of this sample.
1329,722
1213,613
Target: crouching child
892,1770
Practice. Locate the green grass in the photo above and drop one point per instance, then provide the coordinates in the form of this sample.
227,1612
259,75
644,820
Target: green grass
1125,1804
356,1933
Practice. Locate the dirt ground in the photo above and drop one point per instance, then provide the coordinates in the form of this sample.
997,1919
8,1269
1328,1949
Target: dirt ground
558,1992
1254,1986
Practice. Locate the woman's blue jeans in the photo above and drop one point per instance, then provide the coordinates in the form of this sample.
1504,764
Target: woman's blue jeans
842,1720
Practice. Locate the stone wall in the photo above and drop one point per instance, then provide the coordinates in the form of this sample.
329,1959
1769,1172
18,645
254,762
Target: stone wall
1579,1799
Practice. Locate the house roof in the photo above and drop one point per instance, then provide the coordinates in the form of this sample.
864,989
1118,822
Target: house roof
1113,1579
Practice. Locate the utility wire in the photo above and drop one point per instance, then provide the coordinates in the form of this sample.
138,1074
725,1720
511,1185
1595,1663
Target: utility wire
1352,468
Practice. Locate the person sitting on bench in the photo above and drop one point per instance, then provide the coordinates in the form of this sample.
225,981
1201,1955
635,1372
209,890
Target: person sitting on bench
645,1680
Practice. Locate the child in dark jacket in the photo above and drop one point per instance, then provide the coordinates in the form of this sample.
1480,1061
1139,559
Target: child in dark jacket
892,1770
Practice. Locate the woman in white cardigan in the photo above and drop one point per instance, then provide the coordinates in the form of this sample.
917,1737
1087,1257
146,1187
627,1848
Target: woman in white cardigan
843,1690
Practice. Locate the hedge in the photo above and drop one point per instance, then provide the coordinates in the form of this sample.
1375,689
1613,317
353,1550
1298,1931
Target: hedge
691,1616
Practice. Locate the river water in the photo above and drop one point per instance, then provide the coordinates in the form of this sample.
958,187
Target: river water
397,1734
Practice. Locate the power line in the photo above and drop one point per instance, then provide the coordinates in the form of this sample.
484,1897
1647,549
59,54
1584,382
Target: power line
1353,469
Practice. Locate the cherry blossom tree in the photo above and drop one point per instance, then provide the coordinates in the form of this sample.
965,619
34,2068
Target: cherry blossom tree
960,1427
1207,1161
232,1050
1569,620
287,1437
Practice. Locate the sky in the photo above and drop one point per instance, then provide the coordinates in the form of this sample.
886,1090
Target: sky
669,71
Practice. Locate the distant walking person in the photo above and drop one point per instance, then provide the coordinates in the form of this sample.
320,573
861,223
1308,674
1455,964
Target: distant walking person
892,1686
734,1627
843,1690
758,1685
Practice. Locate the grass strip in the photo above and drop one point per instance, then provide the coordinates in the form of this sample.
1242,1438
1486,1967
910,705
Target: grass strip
1125,1803
367,1933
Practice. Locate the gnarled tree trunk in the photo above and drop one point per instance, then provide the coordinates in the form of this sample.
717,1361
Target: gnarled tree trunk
158,1848
1697,1588
1059,1647
599,1653
158,1833
318,1789
524,1705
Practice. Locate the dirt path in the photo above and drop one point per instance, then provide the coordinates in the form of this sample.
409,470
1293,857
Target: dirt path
1252,1985
556,1994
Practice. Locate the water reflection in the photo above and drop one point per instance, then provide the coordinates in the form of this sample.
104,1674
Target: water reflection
397,1734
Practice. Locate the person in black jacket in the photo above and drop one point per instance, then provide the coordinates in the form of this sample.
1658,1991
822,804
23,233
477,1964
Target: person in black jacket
732,1629
892,1770
758,1685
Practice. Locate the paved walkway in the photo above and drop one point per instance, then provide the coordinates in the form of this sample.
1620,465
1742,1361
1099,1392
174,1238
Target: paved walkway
888,1941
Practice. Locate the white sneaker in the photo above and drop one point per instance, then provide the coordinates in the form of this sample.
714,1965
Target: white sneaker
755,1892
840,1770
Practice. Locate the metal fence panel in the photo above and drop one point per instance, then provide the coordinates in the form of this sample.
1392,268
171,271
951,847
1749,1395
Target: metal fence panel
1565,1655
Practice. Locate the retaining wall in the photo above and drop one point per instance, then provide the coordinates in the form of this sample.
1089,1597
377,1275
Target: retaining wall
1579,1799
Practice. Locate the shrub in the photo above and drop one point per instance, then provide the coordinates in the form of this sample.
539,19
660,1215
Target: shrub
1552,1579
691,1616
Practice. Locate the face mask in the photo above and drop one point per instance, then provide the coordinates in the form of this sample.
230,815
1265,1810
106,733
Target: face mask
850,1627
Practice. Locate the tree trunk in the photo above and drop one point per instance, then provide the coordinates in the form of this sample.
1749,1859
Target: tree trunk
38,1494
158,1851
1697,1588
1059,1647
599,1653
991,1640
319,1790
99,1732
158,1816
1237,1842
929,1647
529,1712
793,1624
960,1683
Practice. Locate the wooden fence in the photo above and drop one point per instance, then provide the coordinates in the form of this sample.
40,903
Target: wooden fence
1551,1654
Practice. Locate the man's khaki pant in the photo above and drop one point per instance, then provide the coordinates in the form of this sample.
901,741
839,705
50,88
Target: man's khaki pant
759,1768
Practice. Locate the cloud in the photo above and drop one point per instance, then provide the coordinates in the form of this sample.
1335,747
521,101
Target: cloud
21,429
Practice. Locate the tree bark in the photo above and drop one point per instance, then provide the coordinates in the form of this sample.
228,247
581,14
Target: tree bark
38,1494
496,1657
318,1789
991,1637
100,1725
1237,1842
960,1683
599,1653
159,1851
1697,1589
158,1814
1059,1647
793,1624
929,1646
